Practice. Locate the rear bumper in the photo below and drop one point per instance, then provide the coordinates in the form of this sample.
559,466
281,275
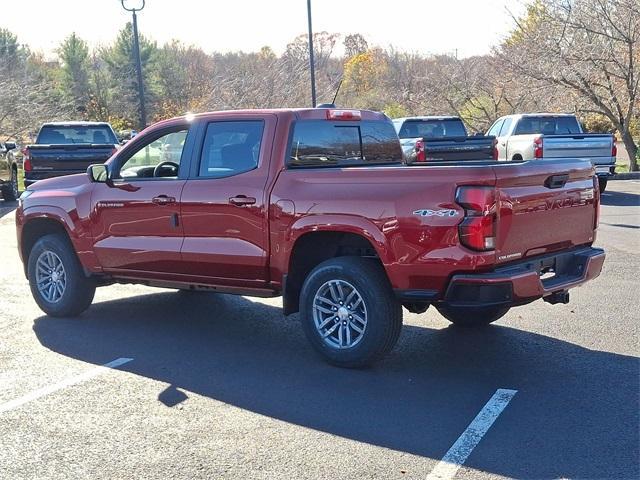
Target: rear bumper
519,283
605,170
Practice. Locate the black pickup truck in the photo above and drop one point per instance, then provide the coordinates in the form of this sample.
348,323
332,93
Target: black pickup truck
433,138
64,148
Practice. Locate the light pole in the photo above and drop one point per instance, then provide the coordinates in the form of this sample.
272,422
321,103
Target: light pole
311,61
136,52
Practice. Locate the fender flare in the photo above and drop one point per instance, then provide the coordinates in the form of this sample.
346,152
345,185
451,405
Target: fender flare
343,224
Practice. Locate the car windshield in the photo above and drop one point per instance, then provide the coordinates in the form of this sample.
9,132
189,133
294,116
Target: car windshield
435,128
70,134
548,125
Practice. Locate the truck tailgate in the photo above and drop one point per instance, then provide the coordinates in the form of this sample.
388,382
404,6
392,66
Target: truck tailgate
458,148
544,207
68,158
587,146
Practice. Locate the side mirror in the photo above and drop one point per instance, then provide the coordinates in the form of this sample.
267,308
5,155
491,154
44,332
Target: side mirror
99,173
9,145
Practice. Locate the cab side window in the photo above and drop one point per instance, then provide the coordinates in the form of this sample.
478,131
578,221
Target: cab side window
495,128
157,159
230,148
505,127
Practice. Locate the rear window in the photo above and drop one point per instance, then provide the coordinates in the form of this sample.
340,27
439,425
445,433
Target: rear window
432,129
63,135
319,143
547,126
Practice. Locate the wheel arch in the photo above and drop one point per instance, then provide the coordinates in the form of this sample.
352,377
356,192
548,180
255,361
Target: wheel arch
35,225
312,244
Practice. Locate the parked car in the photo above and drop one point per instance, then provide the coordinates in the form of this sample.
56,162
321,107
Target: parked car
65,148
434,138
8,171
314,205
551,136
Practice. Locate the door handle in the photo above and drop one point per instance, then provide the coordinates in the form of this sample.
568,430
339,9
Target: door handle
163,200
242,200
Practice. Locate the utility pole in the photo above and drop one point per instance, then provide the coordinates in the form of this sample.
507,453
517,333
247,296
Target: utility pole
312,66
136,53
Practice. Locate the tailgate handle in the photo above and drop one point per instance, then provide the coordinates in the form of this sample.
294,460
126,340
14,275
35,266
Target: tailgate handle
556,181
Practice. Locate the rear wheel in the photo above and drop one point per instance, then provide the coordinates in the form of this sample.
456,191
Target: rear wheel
602,183
10,191
58,283
349,312
472,316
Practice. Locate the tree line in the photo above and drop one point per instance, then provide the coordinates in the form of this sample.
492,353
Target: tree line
580,56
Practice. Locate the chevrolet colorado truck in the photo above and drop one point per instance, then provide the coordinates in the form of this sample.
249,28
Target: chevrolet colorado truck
428,139
551,136
65,148
316,206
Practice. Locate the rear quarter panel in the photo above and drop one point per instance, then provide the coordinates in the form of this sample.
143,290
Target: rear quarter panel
418,251
520,145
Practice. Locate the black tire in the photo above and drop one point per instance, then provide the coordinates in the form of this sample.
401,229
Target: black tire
78,291
10,191
471,316
383,312
602,184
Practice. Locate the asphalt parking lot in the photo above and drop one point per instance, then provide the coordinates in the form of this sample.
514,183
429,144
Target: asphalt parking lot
216,386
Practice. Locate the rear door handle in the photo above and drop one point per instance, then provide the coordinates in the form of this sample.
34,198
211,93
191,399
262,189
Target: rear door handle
241,200
163,200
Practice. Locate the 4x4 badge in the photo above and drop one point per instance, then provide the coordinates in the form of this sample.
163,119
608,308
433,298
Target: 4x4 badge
436,213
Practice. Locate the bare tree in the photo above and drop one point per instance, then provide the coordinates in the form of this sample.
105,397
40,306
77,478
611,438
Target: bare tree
590,48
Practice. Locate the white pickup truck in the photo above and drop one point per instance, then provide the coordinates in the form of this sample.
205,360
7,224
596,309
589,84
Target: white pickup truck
551,136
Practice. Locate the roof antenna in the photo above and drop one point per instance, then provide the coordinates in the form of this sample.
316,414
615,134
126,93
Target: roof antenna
332,104
337,91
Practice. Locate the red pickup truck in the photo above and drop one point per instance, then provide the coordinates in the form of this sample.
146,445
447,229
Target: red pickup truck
314,205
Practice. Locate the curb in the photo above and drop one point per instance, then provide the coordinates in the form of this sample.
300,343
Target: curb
626,176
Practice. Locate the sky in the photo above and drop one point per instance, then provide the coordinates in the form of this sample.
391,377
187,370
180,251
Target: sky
423,26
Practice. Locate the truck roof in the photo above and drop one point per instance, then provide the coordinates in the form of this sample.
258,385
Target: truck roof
428,117
76,123
298,113
541,114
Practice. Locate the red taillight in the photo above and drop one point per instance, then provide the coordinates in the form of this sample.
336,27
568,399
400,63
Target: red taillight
495,149
478,229
26,160
421,156
344,115
596,195
537,147
614,150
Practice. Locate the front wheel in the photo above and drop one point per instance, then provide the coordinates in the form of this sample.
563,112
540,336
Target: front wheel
602,183
349,312
10,193
472,316
56,278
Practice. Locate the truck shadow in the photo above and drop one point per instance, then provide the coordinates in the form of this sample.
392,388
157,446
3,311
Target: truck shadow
575,414
7,207
620,199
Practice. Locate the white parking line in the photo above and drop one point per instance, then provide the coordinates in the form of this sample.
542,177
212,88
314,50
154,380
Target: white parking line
460,451
94,372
